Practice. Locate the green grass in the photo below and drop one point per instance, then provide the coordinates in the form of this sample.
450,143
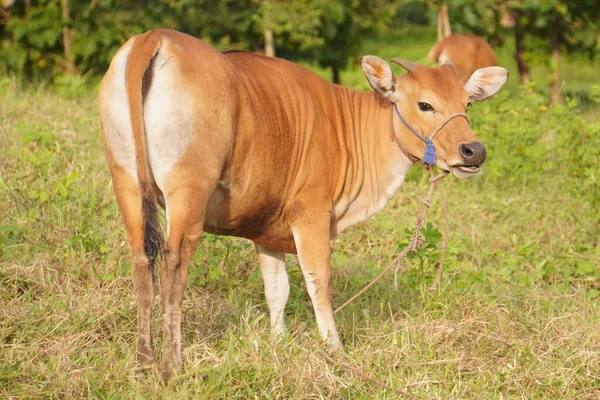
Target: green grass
517,314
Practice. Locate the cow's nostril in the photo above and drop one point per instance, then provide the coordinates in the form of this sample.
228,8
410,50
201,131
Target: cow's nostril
473,153
466,151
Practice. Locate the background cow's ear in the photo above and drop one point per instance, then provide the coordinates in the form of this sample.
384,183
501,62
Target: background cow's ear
380,76
485,82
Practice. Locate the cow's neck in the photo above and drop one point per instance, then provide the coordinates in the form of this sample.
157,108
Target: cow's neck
373,167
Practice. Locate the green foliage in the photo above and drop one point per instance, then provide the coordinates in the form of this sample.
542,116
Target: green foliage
557,151
70,86
33,43
295,23
427,255
329,32
569,147
343,27
10,235
32,39
575,21
478,17
595,94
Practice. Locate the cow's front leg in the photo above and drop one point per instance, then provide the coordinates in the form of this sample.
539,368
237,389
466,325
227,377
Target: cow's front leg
277,286
312,238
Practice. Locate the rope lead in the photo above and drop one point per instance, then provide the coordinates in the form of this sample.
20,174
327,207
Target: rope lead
413,241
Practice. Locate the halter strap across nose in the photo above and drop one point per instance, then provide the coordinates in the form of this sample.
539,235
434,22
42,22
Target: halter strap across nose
429,157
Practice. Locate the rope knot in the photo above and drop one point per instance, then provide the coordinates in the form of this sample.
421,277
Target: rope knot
419,242
429,157
436,178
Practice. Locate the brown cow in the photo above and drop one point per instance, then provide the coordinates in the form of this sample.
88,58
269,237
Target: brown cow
468,53
246,145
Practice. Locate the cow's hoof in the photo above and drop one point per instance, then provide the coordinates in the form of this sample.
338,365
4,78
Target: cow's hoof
278,330
334,345
144,358
167,371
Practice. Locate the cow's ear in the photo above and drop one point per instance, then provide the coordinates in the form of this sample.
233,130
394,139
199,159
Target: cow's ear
380,76
485,82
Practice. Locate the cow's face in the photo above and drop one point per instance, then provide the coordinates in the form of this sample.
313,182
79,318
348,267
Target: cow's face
426,98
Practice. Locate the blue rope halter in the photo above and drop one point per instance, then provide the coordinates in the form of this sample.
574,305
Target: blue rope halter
429,156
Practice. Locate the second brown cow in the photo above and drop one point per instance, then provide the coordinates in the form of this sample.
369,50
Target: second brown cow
468,53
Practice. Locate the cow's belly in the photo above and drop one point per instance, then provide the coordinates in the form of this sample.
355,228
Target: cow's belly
260,220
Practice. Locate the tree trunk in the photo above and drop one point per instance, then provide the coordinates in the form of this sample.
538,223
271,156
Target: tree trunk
269,44
507,19
335,75
66,35
555,81
524,75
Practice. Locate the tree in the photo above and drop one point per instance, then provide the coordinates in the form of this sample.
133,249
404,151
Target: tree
513,20
294,22
490,19
343,26
66,38
562,24
556,24
49,37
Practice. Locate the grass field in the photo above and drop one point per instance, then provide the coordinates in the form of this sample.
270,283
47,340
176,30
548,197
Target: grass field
517,314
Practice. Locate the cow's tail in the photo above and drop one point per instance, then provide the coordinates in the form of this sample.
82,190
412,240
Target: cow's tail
144,49
434,53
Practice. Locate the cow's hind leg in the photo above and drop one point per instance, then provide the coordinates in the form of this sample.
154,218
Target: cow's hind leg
277,286
142,269
186,209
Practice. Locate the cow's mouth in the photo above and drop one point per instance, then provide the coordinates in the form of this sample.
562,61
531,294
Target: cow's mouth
465,171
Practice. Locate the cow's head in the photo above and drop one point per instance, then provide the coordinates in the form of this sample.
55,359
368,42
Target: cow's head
426,98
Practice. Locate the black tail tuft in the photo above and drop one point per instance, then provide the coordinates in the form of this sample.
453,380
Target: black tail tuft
153,238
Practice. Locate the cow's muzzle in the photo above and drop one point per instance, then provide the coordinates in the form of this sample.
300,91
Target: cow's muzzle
473,154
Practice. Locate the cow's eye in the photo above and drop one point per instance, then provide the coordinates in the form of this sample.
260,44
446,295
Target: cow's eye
425,106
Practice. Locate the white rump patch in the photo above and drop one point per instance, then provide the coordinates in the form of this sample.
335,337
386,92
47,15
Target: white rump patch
116,120
168,114
442,58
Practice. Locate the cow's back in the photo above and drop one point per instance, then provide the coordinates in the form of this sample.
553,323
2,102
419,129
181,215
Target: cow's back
467,52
